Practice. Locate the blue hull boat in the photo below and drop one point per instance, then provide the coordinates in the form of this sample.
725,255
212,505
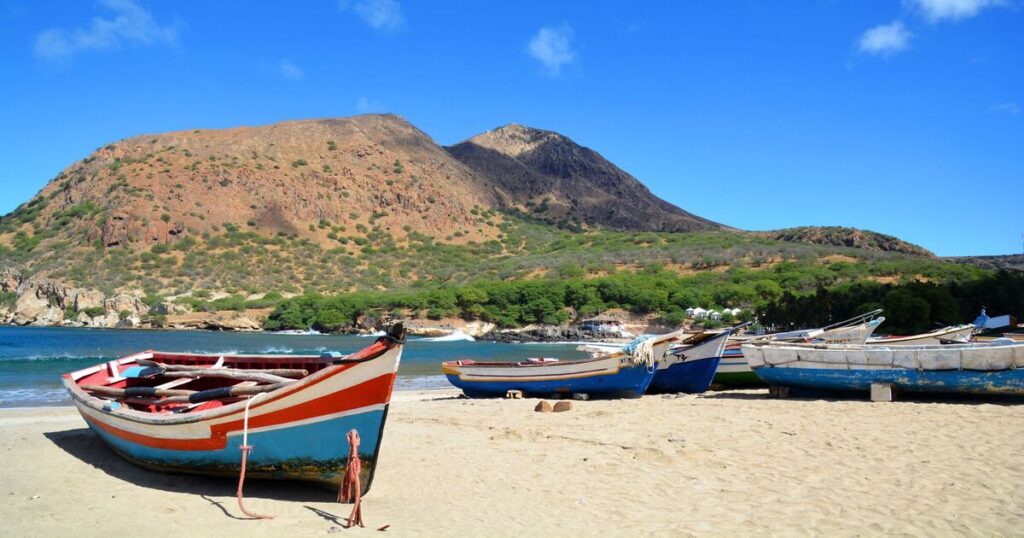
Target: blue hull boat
627,372
691,367
995,367
948,381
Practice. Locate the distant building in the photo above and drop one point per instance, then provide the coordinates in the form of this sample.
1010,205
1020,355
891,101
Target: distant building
604,324
697,313
715,315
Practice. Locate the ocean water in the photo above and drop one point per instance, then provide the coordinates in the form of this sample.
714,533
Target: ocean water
32,359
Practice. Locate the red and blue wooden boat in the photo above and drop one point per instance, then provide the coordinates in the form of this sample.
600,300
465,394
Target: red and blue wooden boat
298,428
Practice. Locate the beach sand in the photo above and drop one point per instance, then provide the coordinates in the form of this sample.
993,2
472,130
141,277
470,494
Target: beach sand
723,463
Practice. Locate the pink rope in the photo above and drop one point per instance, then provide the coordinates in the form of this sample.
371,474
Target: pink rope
351,490
246,450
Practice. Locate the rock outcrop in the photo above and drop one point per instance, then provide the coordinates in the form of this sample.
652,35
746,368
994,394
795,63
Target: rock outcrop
44,302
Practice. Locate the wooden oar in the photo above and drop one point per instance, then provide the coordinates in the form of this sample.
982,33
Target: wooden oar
136,392
293,373
219,394
180,395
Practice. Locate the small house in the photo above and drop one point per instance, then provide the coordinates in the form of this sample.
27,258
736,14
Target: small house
603,324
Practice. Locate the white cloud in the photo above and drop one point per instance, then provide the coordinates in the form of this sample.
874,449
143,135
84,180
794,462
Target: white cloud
885,39
552,47
377,14
365,105
289,70
1009,108
130,23
938,10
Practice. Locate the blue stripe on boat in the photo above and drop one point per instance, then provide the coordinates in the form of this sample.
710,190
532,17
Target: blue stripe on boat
958,381
689,376
319,441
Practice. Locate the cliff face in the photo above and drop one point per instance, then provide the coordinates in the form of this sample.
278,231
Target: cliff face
561,181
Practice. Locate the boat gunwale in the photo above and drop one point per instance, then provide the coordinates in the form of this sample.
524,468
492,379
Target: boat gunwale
81,397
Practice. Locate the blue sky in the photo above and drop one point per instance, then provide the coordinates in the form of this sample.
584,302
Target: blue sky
904,117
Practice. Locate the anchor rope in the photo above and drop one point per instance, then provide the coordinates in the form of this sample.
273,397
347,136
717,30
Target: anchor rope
246,449
351,489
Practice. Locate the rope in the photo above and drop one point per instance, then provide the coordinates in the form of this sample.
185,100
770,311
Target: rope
641,348
351,489
246,449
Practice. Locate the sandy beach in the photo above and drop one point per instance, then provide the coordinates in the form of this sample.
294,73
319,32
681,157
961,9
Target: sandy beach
723,463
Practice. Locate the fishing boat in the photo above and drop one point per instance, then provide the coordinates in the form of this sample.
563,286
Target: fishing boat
957,334
995,367
734,372
189,413
621,373
691,366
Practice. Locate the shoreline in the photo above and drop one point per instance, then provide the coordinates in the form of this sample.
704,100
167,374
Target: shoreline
714,464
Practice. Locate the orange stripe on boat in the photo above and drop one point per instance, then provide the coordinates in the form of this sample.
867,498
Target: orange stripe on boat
371,392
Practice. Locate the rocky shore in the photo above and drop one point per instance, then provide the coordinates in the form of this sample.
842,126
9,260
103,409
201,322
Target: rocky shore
45,302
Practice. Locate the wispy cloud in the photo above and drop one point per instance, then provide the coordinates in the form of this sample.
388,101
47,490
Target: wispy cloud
940,10
129,23
377,14
552,47
365,105
1009,108
885,39
289,70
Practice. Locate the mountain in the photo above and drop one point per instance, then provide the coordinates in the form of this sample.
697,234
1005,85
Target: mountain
236,219
552,177
362,172
845,237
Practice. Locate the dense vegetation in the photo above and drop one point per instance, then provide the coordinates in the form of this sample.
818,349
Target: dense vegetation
240,259
910,306
534,272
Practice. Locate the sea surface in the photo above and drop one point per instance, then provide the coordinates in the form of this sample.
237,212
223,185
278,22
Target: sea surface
32,359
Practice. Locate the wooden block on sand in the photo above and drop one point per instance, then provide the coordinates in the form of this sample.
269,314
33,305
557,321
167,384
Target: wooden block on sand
564,405
543,407
883,392
514,394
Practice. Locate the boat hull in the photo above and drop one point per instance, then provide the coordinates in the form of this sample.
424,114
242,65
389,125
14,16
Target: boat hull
297,432
734,372
316,453
689,369
1010,382
690,377
995,368
624,382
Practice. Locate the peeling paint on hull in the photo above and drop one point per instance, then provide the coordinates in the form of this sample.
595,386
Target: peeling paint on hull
1006,382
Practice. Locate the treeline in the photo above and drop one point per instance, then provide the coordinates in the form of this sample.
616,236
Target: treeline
521,302
910,307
